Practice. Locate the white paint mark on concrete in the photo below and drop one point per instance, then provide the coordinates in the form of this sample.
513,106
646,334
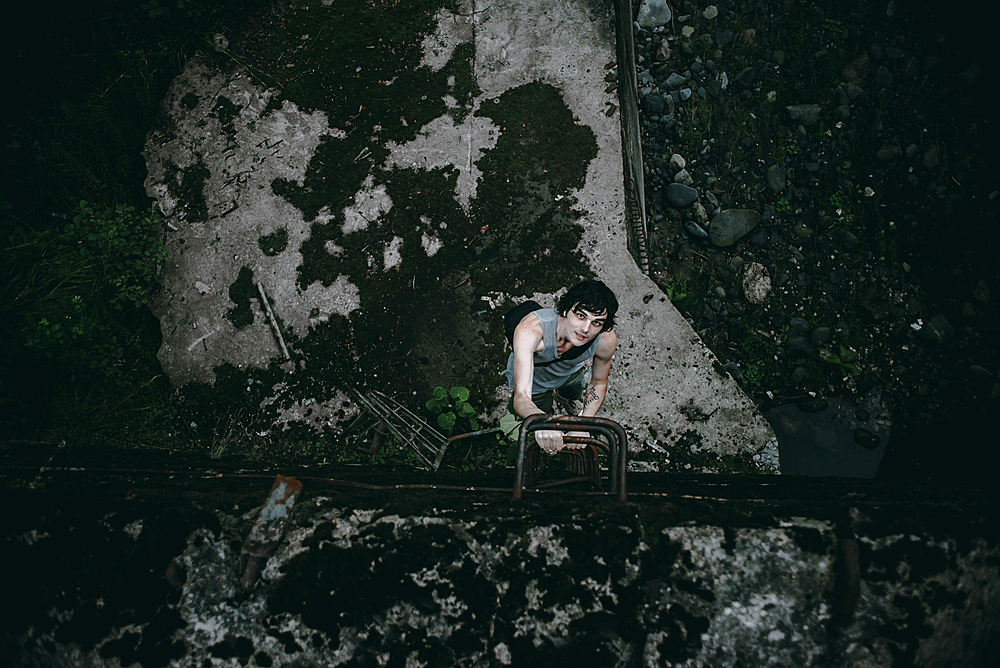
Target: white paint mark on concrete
431,244
392,256
369,203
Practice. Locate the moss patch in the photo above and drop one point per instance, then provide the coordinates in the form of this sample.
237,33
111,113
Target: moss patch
273,243
190,192
240,292
226,112
423,323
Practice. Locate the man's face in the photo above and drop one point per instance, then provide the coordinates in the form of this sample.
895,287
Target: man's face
583,325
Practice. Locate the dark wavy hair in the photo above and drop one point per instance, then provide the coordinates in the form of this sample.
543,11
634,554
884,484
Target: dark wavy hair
591,296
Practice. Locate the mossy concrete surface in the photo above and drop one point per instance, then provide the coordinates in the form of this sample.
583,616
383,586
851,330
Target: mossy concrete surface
142,567
424,166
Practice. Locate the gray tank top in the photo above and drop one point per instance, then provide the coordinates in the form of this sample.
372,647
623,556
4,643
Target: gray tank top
550,371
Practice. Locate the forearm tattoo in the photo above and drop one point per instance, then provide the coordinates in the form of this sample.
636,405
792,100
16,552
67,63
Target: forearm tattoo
589,397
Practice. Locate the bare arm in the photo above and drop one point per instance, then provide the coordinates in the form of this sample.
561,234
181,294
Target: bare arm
527,341
593,398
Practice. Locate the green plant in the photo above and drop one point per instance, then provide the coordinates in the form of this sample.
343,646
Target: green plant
508,435
676,292
783,205
122,242
843,360
753,374
453,410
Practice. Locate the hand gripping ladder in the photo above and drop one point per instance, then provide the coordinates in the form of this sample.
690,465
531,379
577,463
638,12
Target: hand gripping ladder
602,435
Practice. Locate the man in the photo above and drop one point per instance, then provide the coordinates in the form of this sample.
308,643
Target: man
551,351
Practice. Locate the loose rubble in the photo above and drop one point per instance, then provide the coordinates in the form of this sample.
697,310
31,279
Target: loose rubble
795,187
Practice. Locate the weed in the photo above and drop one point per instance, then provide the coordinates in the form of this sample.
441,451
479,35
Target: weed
453,410
676,292
842,360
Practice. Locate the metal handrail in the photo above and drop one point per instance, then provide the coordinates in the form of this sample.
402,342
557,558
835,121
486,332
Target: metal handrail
616,447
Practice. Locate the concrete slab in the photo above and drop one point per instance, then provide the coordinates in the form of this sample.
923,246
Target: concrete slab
666,387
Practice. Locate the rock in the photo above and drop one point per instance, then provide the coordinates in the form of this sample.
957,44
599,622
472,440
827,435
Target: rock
745,77
710,12
732,224
854,91
802,231
679,195
800,375
220,42
883,78
653,13
849,241
675,81
821,335
699,214
804,114
866,439
683,177
653,103
760,238
756,283
931,157
798,347
936,330
981,292
775,177
677,163
695,230
876,52
798,327
887,153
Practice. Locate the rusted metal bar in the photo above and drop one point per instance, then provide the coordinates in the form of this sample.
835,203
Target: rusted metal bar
617,445
268,529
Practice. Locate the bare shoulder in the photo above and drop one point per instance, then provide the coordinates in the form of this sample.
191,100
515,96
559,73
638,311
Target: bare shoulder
607,344
528,333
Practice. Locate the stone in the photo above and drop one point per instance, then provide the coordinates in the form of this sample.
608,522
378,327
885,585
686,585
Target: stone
887,153
820,335
679,195
981,292
653,14
677,163
731,225
804,114
775,177
756,283
798,327
798,347
695,230
745,77
653,103
700,214
675,81
683,177
936,330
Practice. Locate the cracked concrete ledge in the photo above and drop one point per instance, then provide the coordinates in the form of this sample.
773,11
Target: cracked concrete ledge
666,386
445,578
